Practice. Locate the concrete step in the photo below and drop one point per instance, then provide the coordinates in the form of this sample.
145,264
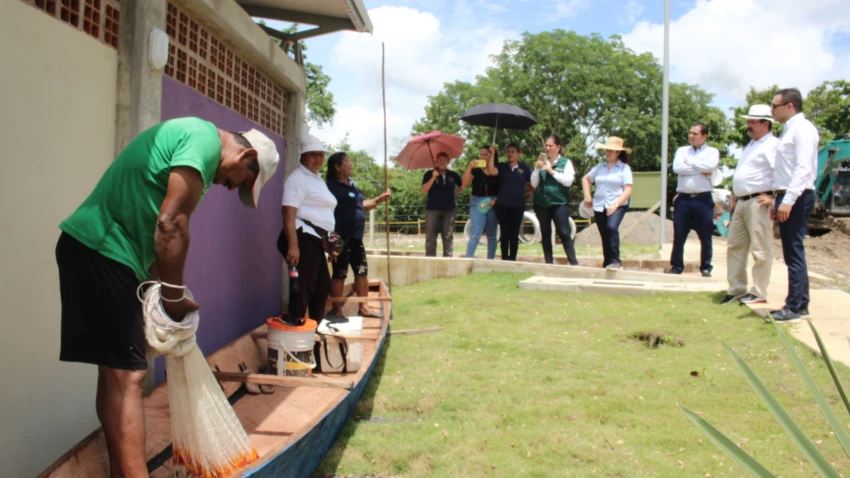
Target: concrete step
613,286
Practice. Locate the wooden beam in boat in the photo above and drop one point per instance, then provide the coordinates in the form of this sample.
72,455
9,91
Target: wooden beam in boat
265,379
430,330
360,299
349,338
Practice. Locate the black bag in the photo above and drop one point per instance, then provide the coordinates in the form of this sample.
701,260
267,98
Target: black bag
332,242
317,353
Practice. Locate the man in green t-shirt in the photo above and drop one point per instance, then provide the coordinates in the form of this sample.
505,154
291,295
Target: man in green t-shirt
134,226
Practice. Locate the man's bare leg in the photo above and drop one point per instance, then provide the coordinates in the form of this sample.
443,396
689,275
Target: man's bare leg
337,286
123,421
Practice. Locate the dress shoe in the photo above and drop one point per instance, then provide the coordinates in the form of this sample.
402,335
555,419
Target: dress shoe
785,315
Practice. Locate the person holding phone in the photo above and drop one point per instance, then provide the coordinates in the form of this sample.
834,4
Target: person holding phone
552,177
441,185
485,186
514,183
613,179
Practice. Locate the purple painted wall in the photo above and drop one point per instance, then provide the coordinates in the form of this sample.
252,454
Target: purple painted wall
234,267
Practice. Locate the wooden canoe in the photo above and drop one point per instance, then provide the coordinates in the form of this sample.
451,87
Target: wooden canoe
292,429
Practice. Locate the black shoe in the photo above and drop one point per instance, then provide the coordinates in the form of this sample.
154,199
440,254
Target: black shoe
803,312
705,273
785,315
672,271
336,318
614,265
752,299
729,299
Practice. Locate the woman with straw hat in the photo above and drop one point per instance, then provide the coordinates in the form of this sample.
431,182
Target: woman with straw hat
613,179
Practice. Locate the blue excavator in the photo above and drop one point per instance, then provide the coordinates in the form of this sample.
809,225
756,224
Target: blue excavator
832,188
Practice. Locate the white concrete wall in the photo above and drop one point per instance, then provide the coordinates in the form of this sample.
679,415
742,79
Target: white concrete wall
57,131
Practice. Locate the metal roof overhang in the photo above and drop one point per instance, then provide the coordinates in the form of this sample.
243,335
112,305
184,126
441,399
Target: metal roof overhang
327,15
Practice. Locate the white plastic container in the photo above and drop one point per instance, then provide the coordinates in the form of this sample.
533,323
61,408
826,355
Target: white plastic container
291,348
333,361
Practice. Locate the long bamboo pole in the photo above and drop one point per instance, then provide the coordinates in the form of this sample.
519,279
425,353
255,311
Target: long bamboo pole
386,173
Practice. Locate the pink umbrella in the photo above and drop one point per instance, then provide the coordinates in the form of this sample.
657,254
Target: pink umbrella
420,151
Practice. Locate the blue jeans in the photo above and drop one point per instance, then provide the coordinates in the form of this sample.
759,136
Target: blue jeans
479,224
695,213
609,229
792,232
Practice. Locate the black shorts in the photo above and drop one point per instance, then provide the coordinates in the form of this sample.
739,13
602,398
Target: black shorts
102,320
354,253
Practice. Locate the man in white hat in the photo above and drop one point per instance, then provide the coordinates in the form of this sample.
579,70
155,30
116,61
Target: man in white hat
693,206
135,225
751,230
308,213
794,182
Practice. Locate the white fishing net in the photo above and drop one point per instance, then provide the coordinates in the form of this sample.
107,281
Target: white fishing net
208,439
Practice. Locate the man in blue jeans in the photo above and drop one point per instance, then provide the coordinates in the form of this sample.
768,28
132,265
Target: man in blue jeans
794,182
693,206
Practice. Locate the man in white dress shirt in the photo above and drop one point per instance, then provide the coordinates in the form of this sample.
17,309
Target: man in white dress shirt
693,206
752,228
793,183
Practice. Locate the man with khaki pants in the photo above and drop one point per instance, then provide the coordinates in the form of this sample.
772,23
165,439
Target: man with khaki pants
751,230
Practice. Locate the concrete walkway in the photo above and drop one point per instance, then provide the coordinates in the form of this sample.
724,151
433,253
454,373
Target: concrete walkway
829,308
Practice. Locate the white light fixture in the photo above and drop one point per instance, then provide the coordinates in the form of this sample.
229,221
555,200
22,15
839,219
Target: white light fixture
158,49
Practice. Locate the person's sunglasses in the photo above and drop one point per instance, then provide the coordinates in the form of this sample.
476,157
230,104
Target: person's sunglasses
774,105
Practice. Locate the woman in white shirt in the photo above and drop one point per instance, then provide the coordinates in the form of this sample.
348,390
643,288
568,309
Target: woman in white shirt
308,212
613,179
552,177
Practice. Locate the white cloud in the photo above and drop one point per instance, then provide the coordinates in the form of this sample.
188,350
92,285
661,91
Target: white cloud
421,54
726,46
631,12
567,8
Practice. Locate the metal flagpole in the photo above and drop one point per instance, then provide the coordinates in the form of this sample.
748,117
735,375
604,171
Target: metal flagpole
665,118
386,174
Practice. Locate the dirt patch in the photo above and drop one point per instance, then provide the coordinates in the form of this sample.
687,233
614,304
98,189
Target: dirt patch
638,227
655,338
828,255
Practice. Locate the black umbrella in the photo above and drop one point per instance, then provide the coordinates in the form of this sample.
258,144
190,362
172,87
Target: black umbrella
495,115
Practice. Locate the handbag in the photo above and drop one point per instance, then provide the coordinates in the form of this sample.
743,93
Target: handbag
332,242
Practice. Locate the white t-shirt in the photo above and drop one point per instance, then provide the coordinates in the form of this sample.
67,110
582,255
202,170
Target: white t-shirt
307,192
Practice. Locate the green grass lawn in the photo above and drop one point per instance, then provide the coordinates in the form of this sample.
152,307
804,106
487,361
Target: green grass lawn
531,383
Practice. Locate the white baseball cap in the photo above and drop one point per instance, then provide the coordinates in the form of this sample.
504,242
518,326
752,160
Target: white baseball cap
268,159
759,112
310,143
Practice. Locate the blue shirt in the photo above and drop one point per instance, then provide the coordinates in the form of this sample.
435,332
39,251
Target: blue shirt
609,183
349,214
512,184
441,196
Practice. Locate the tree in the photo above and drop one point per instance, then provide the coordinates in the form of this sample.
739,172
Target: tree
828,106
321,107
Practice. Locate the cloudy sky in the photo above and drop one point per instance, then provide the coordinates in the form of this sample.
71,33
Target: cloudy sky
724,46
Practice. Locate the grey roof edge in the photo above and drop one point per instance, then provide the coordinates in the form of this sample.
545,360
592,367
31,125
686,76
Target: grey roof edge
359,15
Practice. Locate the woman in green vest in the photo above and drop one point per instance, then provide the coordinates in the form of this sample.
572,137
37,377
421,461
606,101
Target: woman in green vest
552,177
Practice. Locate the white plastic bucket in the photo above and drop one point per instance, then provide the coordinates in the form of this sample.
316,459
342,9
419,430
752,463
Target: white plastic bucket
290,348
